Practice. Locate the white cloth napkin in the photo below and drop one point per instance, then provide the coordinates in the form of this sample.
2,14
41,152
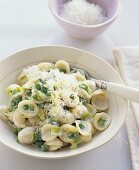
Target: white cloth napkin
126,61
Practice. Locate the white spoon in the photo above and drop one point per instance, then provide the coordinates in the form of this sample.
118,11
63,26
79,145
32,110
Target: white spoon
118,89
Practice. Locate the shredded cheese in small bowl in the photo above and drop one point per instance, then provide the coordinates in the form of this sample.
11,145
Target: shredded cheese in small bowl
83,12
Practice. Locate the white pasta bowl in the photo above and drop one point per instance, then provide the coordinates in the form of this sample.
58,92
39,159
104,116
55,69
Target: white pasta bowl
98,68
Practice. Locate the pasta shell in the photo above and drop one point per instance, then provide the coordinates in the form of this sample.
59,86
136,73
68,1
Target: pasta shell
101,121
84,139
79,76
83,127
70,99
91,109
65,129
26,135
3,109
19,119
13,89
63,66
64,116
79,111
49,132
100,100
28,108
22,79
91,84
83,94
45,66
55,144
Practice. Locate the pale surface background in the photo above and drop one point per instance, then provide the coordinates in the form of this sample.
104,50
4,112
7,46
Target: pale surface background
27,23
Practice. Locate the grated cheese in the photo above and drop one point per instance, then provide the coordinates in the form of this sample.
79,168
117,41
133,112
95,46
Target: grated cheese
83,12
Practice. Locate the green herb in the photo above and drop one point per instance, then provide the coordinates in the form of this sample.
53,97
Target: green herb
81,125
15,102
53,121
84,86
38,86
44,148
17,130
26,107
37,138
44,90
101,122
72,96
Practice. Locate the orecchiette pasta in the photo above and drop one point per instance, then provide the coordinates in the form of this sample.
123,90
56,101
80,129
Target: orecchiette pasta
49,132
54,106
26,136
83,127
22,78
28,108
100,100
54,144
13,89
79,76
3,110
19,119
85,139
63,66
101,121
46,66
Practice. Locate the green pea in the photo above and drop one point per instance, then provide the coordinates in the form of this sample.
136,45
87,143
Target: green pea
74,136
82,126
101,122
31,107
25,107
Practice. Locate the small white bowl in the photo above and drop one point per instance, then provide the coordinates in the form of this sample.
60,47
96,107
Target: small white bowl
98,68
112,8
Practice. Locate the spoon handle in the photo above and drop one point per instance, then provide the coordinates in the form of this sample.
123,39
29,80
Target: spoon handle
124,91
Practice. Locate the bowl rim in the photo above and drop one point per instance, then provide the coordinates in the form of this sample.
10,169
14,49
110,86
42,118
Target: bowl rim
80,152
117,13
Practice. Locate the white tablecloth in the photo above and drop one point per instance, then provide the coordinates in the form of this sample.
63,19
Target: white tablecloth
28,23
